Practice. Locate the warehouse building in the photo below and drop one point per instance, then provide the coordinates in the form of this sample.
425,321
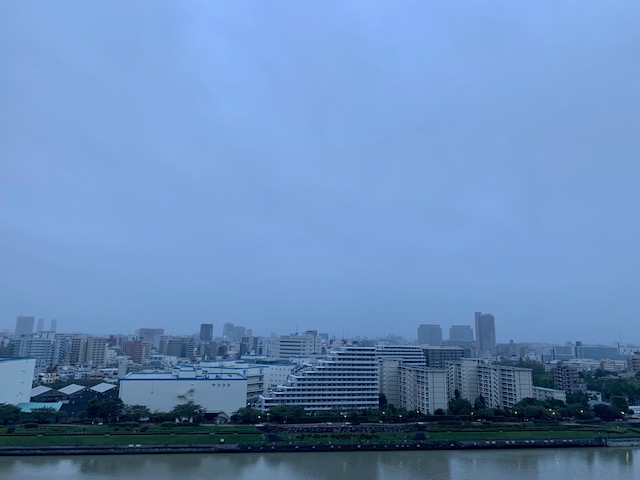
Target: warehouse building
221,394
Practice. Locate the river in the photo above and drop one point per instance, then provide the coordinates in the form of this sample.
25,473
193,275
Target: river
531,464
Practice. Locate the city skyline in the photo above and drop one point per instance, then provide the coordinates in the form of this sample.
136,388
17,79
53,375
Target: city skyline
349,167
236,332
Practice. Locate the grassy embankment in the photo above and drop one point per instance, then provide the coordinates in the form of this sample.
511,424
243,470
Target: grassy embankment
84,435
104,435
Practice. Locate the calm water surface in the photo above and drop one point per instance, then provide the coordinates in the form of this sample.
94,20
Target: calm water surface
581,464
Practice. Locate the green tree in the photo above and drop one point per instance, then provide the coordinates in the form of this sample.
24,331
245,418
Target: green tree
135,413
578,397
479,404
188,411
591,382
460,406
107,409
619,404
9,413
246,415
42,415
284,413
578,410
605,412
626,387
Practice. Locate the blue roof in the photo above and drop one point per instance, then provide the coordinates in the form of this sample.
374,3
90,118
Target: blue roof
27,407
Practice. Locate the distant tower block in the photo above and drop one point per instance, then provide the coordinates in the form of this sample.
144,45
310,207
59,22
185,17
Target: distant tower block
429,335
24,325
485,333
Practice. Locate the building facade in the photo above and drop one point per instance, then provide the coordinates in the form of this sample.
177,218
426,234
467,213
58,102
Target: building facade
423,389
347,379
567,378
287,346
460,333
439,357
485,333
218,393
17,379
429,334
206,332
24,325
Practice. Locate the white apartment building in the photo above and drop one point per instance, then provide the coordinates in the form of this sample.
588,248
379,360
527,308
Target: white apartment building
389,373
390,358
347,379
96,351
463,377
541,393
501,386
409,354
40,348
423,389
287,346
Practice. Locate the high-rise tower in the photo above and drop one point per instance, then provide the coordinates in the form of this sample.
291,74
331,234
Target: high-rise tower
429,335
485,333
24,325
206,332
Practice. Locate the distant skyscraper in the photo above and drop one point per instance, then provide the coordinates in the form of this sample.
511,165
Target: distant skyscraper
429,335
460,333
24,325
206,332
150,336
227,330
485,333
54,325
233,332
40,325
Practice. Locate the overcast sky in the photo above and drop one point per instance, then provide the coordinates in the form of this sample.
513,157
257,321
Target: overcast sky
289,165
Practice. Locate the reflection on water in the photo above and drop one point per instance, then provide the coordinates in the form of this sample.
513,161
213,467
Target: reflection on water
585,464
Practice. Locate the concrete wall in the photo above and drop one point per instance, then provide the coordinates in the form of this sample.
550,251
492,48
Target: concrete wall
16,378
215,395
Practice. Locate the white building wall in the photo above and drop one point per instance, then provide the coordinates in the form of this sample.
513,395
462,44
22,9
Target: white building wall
390,380
287,346
424,389
163,392
254,373
540,393
16,379
348,379
277,374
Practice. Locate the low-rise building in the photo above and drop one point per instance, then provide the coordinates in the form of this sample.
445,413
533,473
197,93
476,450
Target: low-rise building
219,393
541,393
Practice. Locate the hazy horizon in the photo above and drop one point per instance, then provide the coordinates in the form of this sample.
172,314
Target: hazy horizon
321,165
